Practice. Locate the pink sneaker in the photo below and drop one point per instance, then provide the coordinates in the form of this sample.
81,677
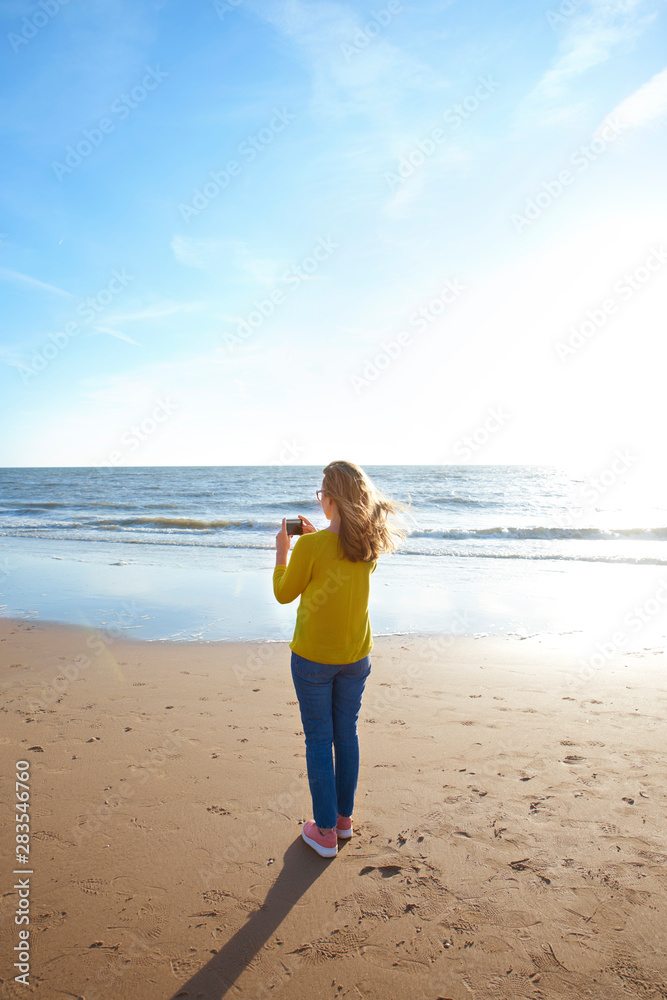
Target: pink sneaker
344,826
326,846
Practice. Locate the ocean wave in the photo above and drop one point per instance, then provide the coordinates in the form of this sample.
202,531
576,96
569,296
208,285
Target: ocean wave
242,541
188,525
141,522
80,506
538,556
467,501
542,532
27,506
175,540
185,523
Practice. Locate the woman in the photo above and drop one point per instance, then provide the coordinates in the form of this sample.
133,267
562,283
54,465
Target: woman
332,640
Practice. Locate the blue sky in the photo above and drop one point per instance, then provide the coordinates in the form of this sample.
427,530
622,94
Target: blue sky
285,231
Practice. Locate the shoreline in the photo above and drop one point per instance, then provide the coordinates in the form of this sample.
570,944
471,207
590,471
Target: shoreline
125,633
590,647
509,832
229,598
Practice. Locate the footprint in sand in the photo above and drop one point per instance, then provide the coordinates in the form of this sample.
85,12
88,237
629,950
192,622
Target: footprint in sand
48,918
219,895
52,838
342,942
184,968
390,890
147,920
94,886
640,981
385,871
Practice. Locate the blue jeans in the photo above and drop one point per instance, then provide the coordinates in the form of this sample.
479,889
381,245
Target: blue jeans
329,700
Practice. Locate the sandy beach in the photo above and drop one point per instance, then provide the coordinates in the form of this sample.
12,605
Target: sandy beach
509,825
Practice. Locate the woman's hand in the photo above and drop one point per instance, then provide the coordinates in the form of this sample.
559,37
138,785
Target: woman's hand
282,545
308,526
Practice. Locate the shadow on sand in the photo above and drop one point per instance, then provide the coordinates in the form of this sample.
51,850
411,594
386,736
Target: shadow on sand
301,867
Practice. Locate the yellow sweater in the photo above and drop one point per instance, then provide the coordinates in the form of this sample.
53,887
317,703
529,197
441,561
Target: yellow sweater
332,624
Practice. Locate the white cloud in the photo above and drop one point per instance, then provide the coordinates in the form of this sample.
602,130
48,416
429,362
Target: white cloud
114,333
154,312
196,253
24,279
589,39
355,68
451,158
399,204
645,105
207,253
128,390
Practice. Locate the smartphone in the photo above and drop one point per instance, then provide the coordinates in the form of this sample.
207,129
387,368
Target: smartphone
294,527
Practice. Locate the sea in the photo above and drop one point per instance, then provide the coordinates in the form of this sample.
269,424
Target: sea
182,553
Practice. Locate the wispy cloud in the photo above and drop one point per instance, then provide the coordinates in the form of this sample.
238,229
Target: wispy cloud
120,390
207,254
196,253
114,333
13,363
647,104
153,312
589,39
353,70
452,158
25,279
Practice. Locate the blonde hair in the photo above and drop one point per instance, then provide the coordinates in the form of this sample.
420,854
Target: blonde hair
365,529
